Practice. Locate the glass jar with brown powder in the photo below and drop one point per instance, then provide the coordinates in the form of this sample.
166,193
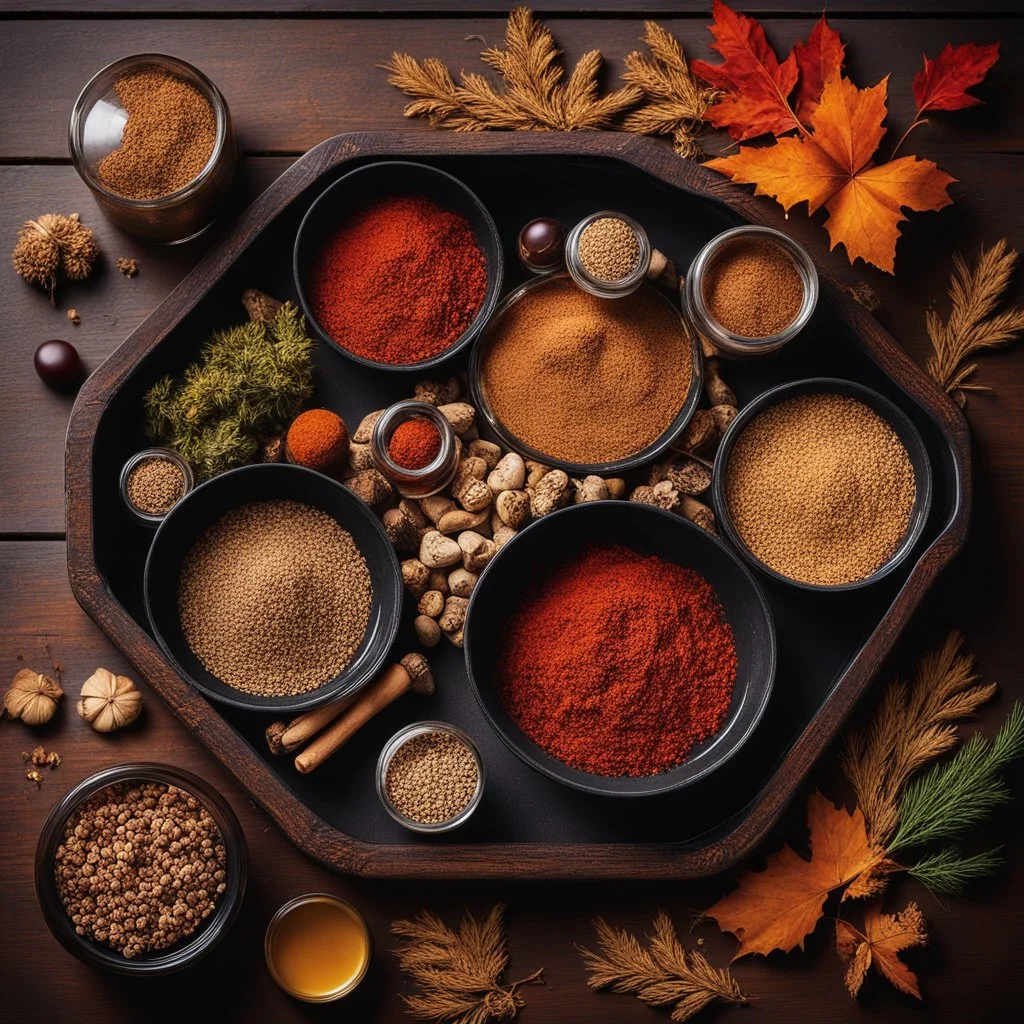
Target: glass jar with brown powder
152,137
751,290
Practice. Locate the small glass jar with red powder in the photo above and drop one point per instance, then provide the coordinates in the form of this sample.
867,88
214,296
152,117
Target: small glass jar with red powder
415,447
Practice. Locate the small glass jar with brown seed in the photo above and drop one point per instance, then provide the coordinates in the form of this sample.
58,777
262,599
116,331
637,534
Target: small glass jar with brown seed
430,777
608,254
152,482
179,138
751,290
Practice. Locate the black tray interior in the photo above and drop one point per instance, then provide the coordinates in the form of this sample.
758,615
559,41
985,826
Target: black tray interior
818,635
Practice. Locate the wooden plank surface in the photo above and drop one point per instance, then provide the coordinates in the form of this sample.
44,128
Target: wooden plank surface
316,79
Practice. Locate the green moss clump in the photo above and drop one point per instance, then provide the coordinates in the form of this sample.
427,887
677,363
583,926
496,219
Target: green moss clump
248,385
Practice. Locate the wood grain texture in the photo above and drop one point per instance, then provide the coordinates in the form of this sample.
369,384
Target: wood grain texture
318,79
532,860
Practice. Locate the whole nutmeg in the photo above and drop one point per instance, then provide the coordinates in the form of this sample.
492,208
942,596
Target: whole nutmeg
428,632
513,508
364,431
457,520
472,494
459,414
476,551
438,551
590,488
502,536
370,485
550,493
486,450
431,603
32,697
462,582
415,576
109,702
453,617
508,475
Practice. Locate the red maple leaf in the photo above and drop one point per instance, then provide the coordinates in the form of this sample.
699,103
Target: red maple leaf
944,82
818,59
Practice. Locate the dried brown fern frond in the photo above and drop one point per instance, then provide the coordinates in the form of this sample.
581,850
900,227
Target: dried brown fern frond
912,725
973,324
459,973
674,101
535,94
663,974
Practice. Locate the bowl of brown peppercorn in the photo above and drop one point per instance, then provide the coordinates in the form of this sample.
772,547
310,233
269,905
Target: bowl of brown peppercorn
140,869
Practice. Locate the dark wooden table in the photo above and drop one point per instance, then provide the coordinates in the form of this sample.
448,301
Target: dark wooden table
293,74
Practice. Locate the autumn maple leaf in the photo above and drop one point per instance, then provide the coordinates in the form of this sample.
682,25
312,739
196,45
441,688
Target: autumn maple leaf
818,59
755,85
944,82
833,168
779,907
883,938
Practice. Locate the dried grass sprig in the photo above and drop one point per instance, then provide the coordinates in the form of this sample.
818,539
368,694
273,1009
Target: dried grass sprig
675,102
974,324
536,95
663,974
459,973
913,725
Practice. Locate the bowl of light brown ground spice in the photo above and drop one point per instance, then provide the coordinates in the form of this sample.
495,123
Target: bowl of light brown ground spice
584,384
823,484
152,137
273,588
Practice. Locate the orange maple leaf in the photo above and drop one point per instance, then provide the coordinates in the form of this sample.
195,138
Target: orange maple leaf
832,168
883,938
779,907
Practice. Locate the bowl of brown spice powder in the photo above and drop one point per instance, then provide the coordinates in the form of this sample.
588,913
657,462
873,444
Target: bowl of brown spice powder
140,869
823,484
152,137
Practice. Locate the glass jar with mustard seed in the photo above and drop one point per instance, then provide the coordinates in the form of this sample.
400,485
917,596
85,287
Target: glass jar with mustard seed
608,254
414,446
152,482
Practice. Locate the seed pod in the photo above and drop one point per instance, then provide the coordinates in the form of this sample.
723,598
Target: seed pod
458,520
508,475
502,536
688,476
513,508
616,488
718,392
371,486
437,392
431,603
365,429
476,551
551,493
438,551
415,576
472,494
486,450
462,582
428,632
435,506
459,414
590,488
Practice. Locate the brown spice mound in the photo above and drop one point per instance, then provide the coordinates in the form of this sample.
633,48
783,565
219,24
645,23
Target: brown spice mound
155,486
168,137
820,488
141,866
432,777
609,249
274,598
585,379
752,288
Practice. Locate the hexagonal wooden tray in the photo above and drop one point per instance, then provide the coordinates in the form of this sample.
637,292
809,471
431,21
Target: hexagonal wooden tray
527,826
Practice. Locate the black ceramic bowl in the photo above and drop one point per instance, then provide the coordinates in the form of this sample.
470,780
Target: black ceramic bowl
892,414
548,542
364,185
201,508
617,466
209,932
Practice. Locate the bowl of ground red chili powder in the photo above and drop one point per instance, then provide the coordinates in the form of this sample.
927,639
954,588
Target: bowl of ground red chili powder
620,649
398,265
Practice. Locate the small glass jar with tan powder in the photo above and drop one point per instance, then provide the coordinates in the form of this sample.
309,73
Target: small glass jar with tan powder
152,137
608,254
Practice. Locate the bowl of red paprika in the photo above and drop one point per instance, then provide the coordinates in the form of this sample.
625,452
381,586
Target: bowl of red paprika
620,649
398,265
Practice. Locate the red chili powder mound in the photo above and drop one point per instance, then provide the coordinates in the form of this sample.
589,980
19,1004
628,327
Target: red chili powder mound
400,281
415,443
619,663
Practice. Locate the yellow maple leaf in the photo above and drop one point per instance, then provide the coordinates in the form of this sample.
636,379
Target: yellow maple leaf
832,167
779,907
883,938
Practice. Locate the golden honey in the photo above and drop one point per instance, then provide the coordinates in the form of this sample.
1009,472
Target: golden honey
318,948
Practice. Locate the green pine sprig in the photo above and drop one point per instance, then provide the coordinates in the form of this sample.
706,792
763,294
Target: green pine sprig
961,792
948,872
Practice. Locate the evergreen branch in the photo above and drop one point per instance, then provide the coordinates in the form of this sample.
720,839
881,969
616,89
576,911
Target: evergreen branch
954,796
948,872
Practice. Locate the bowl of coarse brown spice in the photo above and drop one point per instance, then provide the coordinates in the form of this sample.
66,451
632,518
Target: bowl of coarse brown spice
152,137
273,588
823,484
140,869
751,290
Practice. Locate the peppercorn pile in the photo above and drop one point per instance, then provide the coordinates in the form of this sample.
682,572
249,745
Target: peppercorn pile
275,598
612,700
141,866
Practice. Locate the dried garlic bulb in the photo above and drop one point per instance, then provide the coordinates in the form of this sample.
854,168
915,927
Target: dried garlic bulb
32,697
54,241
108,701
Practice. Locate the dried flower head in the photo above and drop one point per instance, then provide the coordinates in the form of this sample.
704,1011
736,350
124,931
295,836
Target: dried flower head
32,697
51,243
